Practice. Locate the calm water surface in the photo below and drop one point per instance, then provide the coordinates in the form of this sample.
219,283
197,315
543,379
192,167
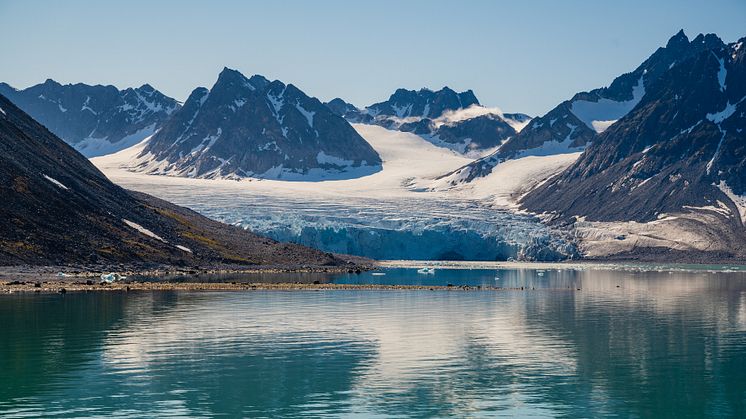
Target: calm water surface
627,344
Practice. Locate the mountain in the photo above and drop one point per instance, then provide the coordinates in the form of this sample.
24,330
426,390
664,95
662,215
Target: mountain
463,132
57,208
423,103
96,120
253,127
677,160
444,117
575,123
348,111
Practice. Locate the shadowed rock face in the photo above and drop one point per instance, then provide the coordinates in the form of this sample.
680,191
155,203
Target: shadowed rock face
683,147
256,127
96,120
575,123
476,133
57,208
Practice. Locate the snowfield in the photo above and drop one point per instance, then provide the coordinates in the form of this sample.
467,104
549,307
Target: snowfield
599,115
508,181
401,212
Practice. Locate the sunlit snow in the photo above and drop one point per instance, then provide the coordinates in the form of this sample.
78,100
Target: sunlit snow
388,214
606,111
56,182
143,230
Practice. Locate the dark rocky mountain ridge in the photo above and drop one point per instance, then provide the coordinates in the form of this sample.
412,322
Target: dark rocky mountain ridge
575,123
255,127
681,150
95,120
58,209
443,117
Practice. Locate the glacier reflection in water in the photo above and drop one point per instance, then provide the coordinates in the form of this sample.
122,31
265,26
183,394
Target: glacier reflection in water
627,343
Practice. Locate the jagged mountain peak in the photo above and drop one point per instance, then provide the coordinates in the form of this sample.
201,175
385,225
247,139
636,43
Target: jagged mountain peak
253,127
95,119
228,75
574,123
678,40
423,103
444,117
51,83
678,155
61,210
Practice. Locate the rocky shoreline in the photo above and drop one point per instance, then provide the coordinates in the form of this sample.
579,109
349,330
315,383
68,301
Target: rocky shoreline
30,273
70,286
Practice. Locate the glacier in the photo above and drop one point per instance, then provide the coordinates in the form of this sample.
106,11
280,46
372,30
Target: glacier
390,214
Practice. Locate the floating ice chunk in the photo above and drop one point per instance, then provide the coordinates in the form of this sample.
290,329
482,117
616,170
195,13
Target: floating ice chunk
112,277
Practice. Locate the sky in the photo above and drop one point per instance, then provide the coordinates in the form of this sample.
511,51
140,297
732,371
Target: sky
521,56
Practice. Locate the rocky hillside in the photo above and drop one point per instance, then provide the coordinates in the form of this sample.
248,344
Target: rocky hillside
253,127
677,160
574,123
59,209
95,120
444,117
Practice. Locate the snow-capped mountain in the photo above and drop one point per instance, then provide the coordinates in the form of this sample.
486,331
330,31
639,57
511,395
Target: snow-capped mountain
58,208
95,120
253,127
574,123
423,103
446,118
676,162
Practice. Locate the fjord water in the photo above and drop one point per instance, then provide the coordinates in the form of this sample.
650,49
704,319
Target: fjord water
573,343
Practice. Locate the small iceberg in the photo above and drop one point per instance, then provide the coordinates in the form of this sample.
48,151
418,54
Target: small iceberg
378,273
111,277
426,271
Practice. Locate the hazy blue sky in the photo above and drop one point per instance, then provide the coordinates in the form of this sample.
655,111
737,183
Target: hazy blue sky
523,56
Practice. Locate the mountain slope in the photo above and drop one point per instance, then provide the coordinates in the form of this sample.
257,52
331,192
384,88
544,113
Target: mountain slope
445,118
574,123
678,159
96,120
251,127
59,209
423,103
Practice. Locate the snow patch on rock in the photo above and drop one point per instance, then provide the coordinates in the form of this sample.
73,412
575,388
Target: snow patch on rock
56,182
143,230
605,110
738,200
